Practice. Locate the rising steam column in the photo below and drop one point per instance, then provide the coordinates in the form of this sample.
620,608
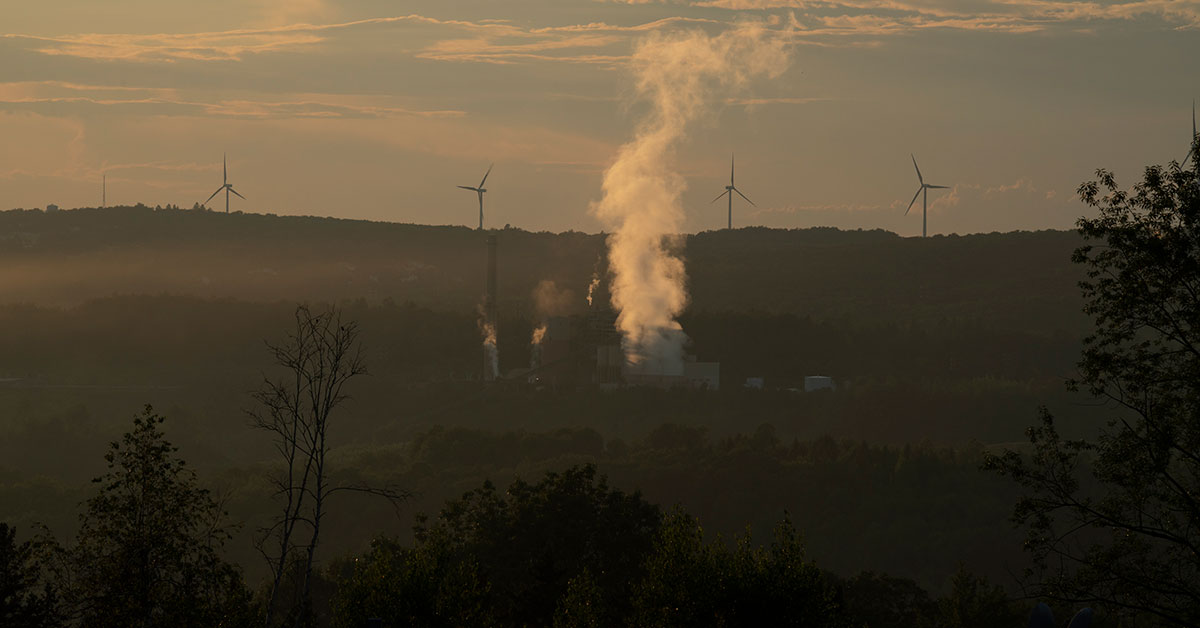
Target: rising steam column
491,358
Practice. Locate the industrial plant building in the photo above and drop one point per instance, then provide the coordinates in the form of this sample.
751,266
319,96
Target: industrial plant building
583,350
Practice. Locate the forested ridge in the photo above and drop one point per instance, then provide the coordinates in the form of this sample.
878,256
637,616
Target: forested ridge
1021,281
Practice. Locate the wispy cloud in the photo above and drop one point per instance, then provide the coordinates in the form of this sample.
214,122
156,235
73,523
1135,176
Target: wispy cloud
779,100
490,41
883,17
230,45
46,96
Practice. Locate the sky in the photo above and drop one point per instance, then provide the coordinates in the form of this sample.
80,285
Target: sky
377,109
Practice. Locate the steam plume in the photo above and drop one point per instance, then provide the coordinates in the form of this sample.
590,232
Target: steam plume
487,329
592,288
535,346
489,346
682,75
549,300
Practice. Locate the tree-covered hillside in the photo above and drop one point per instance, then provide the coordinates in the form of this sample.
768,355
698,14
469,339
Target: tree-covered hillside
1015,281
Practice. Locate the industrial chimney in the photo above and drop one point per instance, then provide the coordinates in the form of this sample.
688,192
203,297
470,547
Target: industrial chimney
490,354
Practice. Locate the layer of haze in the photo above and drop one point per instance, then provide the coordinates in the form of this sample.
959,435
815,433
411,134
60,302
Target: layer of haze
376,110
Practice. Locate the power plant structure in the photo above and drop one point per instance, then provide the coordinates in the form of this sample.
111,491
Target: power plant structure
580,350
491,320
585,350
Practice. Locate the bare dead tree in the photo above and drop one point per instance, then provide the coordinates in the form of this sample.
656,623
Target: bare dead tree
319,356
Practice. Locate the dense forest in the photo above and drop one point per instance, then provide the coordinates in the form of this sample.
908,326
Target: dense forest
864,505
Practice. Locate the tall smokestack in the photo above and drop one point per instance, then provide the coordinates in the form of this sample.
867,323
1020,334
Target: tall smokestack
491,360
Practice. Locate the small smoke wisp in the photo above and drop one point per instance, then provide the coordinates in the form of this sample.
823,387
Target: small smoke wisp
683,76
491,354
592,288
489,347
549,300
535,346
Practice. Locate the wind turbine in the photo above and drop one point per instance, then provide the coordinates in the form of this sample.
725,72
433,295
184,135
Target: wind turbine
480,190
923,191
1191,144
225,185
729,190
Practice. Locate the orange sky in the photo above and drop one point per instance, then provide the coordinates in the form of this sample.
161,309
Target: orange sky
378,109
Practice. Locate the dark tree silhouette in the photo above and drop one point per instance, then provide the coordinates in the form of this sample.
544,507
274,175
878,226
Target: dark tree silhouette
320,356
510,558
1116,521
21,602
882,601
692,582
148,549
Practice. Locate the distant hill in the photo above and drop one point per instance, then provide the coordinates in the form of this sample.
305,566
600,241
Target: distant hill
1021,281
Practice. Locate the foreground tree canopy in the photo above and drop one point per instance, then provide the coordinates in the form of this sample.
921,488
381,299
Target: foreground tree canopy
148,549
1116,521
570,551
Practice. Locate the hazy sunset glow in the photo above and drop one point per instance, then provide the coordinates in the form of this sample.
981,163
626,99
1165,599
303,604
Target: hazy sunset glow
377,110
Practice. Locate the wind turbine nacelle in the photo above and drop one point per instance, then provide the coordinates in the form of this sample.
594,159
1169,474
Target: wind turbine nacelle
729,187
482,190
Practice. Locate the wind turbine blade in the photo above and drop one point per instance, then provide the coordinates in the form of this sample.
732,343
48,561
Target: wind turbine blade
744,196
224,170
213,194
485,175
919,177
910,203
235,192
730,168
718,197
467,187
938,187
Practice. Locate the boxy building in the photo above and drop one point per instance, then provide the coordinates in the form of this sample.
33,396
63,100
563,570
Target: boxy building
813,383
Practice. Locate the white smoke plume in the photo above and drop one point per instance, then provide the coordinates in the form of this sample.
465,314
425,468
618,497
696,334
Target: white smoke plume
535,346
550,300
491,353
592,288
489,346
683,76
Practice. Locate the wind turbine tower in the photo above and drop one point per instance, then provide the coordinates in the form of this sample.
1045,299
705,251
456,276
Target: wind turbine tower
923,191
480,190
225,185
729,190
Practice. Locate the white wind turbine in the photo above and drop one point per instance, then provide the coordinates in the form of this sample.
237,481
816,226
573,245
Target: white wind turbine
480,190
225,185
729,190
923,191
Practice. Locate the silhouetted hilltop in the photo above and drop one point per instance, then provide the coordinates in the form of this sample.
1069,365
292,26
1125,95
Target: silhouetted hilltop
1021,280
